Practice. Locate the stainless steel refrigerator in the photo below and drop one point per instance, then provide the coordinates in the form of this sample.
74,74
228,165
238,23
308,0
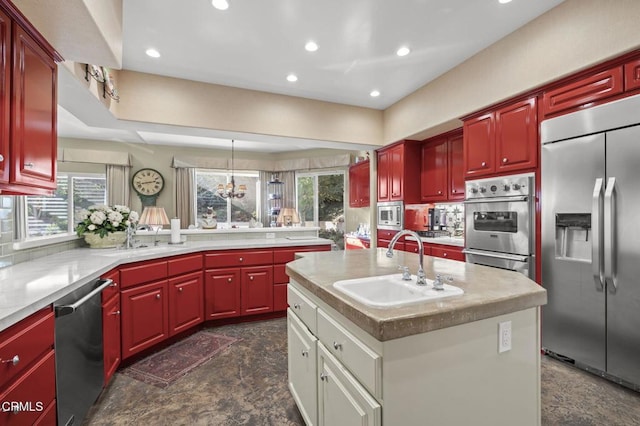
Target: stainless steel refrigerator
590,202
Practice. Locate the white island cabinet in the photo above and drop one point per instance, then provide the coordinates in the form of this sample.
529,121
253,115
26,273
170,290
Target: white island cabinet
435,363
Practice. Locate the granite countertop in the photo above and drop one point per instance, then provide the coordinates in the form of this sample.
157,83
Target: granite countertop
488,292
30,286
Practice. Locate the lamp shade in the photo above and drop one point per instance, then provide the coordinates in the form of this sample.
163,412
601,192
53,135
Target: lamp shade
154,216
288,216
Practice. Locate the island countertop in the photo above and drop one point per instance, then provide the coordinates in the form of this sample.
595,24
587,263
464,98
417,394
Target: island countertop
488,292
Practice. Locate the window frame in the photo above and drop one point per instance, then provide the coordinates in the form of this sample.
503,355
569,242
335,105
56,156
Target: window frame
228,174
314,175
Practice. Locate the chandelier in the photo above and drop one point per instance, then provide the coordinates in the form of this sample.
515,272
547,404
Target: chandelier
229,190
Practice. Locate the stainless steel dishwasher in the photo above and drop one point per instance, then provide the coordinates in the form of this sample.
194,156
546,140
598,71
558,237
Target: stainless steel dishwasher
79,352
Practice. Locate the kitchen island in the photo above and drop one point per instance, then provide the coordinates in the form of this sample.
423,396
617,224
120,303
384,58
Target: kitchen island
437,362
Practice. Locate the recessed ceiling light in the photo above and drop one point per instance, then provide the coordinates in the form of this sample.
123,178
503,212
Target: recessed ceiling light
403,51
292,78
311,46
504,1
374,93
153,53
220,4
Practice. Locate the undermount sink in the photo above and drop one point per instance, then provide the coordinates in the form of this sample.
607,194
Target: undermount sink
120,252
388,291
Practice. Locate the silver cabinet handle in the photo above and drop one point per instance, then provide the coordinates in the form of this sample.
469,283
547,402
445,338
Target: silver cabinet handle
296,306
251,277
114,284
305,353
229,279
483,164
180,289
444,254
324,377
240,260
337,345
504,160
28,165
597,260
1,157
158,296
115,313
439,192
14,361
609,235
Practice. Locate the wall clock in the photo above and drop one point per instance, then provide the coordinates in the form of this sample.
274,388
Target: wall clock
147,183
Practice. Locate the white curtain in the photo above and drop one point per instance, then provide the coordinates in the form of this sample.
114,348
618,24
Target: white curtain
185,196
118,185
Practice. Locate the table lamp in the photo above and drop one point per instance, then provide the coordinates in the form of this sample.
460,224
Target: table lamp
155,218
288,216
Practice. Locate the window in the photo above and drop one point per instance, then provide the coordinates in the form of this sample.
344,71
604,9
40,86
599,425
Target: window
55,214
228,211
320,198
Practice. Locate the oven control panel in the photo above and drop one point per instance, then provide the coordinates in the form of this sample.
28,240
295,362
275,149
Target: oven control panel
502,186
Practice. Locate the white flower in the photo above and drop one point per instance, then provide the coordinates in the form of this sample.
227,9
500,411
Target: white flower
127,223
98,217
91,227
116,224
133,216
83,215
114,217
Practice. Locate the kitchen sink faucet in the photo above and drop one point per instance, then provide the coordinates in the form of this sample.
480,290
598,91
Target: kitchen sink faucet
421,277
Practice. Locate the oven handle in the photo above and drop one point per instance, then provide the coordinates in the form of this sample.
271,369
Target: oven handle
497,200
506,256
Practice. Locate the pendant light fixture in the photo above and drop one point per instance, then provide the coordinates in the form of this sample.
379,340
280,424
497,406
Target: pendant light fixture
229,190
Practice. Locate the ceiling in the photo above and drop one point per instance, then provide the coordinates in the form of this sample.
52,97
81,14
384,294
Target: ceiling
255,44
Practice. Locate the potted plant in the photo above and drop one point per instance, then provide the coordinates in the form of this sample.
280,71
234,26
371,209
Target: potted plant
105,226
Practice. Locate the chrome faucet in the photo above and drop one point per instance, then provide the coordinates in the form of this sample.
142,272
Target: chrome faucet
421,276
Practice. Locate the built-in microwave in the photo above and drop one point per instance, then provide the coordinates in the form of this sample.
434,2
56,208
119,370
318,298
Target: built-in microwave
391,215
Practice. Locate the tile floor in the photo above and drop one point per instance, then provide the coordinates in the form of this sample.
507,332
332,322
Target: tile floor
247,385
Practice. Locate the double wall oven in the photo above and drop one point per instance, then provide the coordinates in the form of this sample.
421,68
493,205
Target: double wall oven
499,222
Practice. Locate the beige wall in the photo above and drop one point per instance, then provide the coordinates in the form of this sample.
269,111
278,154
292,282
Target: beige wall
570,37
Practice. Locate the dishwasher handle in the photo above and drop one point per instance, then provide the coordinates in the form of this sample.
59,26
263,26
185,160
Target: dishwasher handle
63,310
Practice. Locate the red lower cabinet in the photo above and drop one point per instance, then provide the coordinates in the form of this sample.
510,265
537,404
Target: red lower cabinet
186,306
256,290
453,253
222,293
145,319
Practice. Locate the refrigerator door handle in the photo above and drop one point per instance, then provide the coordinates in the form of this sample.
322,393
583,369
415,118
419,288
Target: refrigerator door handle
610,235
597,259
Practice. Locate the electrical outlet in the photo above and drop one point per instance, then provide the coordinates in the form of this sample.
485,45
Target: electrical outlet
504,336
270,235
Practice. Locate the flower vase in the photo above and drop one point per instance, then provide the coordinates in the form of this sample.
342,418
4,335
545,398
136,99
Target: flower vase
112,239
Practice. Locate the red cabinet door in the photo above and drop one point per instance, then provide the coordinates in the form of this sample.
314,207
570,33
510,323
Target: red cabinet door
583,92
222,293
632,75
517,136
186,305
384,171
33,126
456,168
433,176
359,185
145,319
111,337
257,290
5,100
479,145
396,175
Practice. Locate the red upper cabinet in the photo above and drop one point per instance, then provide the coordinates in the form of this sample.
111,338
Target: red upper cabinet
398,172
500,141
479,145
632,75
517,136
442,175
28,102
456,167
583,93
5,104
433,177
359,185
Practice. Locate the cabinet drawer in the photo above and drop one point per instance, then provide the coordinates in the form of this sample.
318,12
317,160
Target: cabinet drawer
453,254
361,360
304,308
34,390
238,258
632,75
184,264
143,272
113,289
27,340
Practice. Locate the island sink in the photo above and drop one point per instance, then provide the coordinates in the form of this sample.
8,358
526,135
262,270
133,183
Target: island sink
389,291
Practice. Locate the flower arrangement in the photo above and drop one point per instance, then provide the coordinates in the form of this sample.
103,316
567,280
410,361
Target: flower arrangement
101,219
